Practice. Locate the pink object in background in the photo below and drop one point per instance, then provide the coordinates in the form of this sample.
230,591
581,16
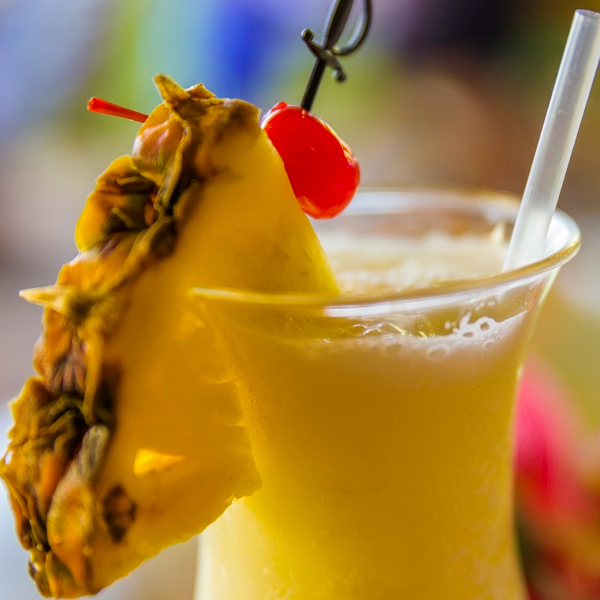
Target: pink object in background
557,491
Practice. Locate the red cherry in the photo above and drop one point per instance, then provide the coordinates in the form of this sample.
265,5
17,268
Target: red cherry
321,168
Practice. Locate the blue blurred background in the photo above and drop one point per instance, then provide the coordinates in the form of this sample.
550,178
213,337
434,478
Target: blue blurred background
443,91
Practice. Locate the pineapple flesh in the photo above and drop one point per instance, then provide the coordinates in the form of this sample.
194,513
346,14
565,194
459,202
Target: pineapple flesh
131,437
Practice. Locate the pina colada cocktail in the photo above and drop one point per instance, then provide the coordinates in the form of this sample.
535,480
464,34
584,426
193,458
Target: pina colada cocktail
381,423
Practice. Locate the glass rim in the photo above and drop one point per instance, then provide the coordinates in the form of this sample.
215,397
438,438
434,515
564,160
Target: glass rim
462,197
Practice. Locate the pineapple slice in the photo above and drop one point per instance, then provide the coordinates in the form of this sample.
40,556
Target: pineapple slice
132,436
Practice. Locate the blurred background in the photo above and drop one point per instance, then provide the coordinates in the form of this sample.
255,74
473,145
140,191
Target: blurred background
450,91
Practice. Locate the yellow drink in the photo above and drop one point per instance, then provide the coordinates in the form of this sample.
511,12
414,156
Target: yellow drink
382,427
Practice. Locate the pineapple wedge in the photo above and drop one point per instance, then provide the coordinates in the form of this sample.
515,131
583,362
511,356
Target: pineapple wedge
132,437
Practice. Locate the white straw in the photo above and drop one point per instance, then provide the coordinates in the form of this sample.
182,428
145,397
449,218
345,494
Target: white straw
565,111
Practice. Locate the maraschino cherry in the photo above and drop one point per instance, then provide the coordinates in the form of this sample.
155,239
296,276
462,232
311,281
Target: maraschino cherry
321,168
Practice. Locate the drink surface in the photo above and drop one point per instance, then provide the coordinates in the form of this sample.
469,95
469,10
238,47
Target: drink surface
383,441
381,264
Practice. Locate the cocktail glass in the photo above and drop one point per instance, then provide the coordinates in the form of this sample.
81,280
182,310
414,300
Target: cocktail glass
381,422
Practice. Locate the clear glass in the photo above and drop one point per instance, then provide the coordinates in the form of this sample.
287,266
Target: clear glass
382,424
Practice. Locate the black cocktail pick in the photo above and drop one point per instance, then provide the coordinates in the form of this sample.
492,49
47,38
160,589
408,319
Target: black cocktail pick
327,52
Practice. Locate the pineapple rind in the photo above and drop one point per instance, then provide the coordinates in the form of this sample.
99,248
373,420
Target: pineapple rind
46,434
122,201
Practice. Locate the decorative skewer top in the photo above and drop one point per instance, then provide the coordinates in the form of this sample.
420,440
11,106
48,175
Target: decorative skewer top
327,52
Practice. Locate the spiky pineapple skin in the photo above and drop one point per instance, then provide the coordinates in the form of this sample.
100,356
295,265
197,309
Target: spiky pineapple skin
131,437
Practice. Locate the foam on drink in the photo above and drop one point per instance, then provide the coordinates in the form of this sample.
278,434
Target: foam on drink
376,264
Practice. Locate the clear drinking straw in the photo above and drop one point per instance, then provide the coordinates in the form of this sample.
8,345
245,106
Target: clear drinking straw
565,111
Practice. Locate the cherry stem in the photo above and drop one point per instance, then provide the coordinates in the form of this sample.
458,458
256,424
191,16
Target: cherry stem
327,52
104,107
